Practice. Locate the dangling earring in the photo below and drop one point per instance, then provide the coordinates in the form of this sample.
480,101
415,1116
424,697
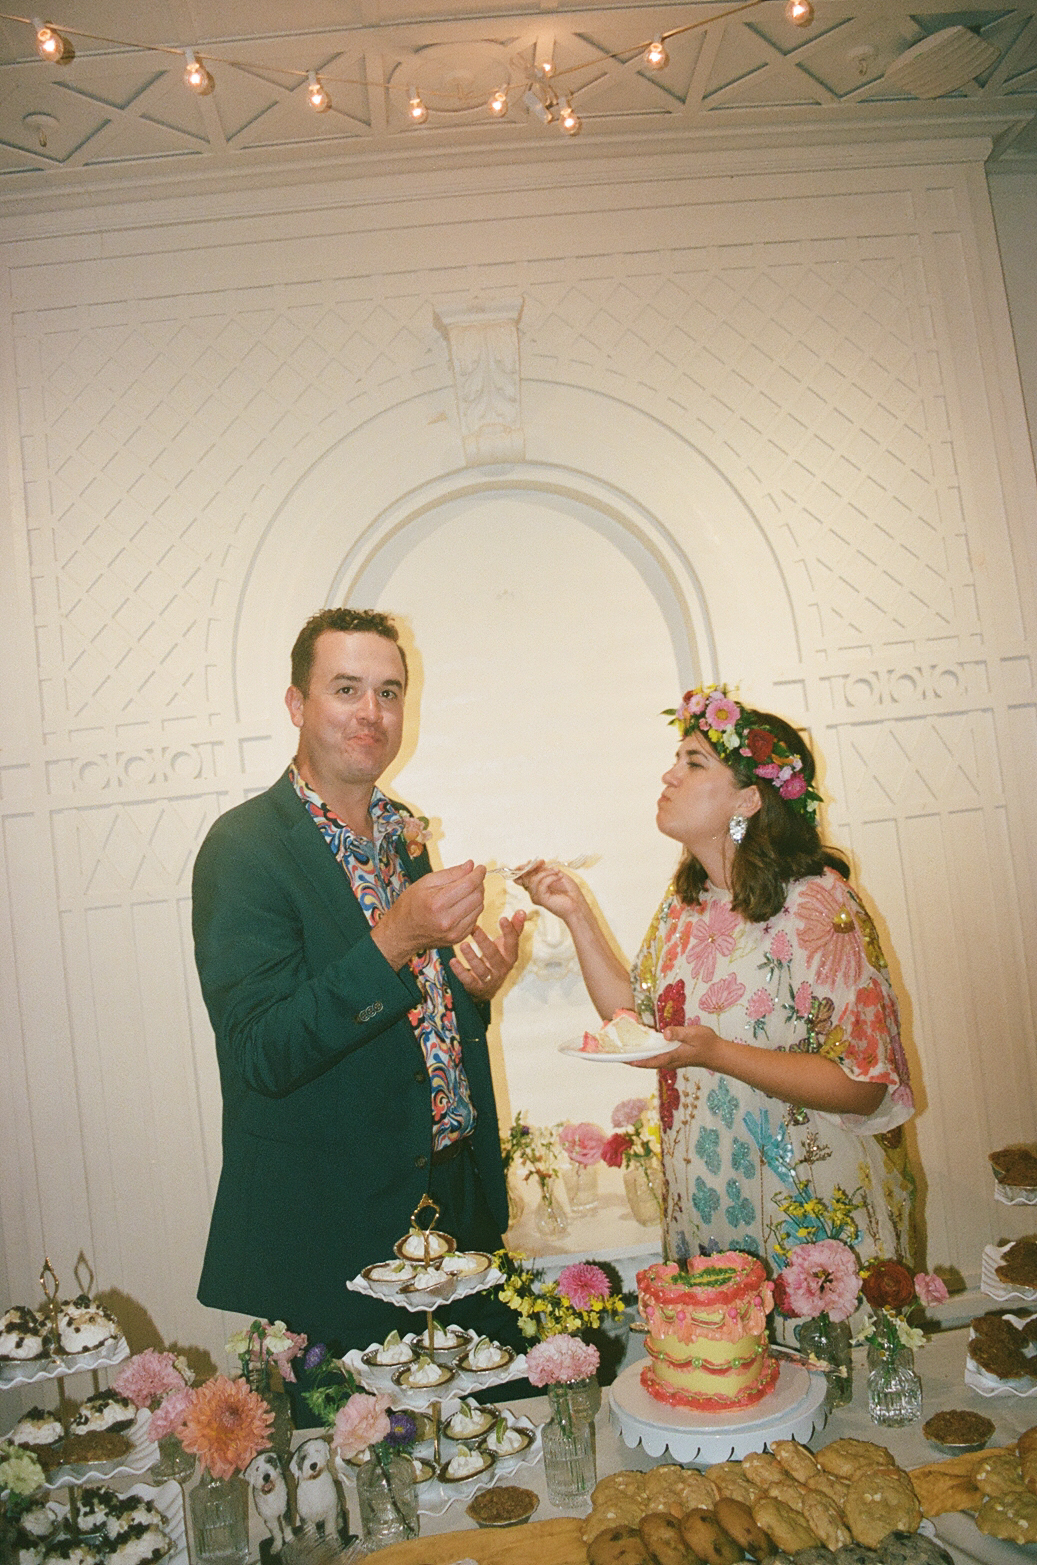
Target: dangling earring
737,827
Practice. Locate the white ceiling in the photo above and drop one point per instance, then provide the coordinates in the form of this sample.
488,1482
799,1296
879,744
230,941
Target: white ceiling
738,76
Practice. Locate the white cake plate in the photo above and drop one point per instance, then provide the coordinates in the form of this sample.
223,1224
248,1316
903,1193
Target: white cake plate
794,1410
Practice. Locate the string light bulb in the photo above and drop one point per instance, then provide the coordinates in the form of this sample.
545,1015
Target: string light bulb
415,108
51,45
498,104
571,121
319,101
655,56
799,12
196,77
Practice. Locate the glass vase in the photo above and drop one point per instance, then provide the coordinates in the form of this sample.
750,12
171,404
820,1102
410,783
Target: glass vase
570,1465
173,1461
832,1342
219,1520
643,1183
581,1186
550,1217
387,1500
516,1205
894,1390
267,1382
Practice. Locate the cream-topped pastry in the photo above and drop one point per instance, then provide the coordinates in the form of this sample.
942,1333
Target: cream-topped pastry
465,1263
426,1277
39,1521
504,1440
23,1335
96,1504
465,1463
485,1354
413,1246
425,1373
84,1324
624,1034
390,1271
445,1339
37,1427
140,1545
469,1420
392,1351
104,1410
132,1510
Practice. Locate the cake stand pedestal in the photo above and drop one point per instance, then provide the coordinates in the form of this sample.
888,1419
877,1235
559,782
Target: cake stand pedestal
794,1410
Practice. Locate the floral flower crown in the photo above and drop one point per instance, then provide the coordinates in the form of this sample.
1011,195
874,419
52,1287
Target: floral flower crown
713,712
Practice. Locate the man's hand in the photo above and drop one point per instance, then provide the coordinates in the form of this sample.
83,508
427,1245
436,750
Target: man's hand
492,962
438,910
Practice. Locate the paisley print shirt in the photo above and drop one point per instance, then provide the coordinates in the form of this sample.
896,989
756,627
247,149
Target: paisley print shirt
377,878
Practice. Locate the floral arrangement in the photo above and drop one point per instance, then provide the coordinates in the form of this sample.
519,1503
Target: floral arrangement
358,1421
21,1476
561,1360
582,1143
513,1145
893,1294
712,711
579,1300
637,1137
820,1281
535,1147
225,1424
415,833
261,1345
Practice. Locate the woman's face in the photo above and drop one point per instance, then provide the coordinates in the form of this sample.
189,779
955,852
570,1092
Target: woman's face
700,795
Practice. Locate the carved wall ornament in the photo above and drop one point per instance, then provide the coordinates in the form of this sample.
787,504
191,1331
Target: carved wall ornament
484,356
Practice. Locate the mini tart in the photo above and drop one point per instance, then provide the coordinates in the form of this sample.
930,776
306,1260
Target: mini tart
402,1377
504,1505
423,1471
957,1431
477,1462
505,1356
447,1342
36,1428
470,1421
389,1354
103,1410
388,1276
466,1263
512,1434
430,1280
412,1246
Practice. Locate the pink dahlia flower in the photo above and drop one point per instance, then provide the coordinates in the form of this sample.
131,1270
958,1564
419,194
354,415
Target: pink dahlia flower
583,1284
582,1142
363,1421
147,1376
561,1358
930,1288
820,1279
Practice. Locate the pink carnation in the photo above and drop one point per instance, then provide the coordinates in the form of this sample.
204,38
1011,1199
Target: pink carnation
583,1284
582,1142
363,1421
560,1358
169,1415
147,1376
930,1288
820,1279
628,1112
283,1360
794,786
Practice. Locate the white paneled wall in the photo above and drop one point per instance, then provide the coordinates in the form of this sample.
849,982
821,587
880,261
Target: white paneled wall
773,433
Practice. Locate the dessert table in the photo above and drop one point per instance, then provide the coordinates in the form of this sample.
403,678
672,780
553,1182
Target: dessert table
941,1367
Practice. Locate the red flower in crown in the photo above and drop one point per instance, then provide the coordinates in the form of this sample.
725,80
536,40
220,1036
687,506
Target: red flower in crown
759,744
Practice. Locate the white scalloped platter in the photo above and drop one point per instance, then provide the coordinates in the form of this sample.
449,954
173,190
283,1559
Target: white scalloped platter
1015,1195
464,1383
991,1284
23,1372
987,1385
418,1303
141,1456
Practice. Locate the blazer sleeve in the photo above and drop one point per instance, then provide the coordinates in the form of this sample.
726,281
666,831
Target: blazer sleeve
291,982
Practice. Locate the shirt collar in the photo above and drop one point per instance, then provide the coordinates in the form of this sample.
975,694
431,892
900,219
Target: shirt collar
385,817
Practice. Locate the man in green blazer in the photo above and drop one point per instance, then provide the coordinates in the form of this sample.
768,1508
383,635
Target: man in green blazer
351,1040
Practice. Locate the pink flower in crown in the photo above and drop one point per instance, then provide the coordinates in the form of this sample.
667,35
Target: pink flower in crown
583,1142
583,1284
561,1359
801,999
722,995
819,1279
362,1422
794,787
694,704
930,1288
722,712
770,770
781,947
760,1005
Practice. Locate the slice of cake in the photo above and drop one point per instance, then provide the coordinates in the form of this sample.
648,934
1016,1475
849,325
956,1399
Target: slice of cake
707,1332
624,1034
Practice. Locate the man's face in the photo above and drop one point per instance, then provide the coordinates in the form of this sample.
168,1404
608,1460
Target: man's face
350,720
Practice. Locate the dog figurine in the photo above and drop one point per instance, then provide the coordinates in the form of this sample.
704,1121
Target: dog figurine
316,1493
270,1493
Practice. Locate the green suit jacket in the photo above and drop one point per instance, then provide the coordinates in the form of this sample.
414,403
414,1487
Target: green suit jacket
327,1120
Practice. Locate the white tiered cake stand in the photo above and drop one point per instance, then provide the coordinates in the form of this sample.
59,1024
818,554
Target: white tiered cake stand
794,1410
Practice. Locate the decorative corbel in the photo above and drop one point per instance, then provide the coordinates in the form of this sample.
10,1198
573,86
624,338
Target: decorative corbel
484,356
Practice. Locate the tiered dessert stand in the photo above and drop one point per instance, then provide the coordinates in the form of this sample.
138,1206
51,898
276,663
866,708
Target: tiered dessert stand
990,1283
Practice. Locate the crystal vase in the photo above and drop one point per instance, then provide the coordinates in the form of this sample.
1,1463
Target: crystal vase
894,1390
266,1381
219,1520
643,1183
581,1186
570,1466
173,1461
387,1500
550,1217
831,1341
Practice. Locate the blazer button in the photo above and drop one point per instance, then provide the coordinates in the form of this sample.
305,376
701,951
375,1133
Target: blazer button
421,1161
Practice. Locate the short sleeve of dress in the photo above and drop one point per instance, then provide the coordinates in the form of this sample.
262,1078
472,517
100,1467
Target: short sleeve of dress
843,998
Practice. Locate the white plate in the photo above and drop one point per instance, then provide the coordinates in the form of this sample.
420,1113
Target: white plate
991,1284
572,1051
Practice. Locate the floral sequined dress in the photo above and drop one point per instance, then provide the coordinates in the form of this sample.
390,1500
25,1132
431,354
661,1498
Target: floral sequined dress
747,1171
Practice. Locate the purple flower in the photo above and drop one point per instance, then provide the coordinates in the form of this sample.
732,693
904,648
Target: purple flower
317,1354
402,1430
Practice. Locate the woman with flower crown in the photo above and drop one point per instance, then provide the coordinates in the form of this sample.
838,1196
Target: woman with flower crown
782,1079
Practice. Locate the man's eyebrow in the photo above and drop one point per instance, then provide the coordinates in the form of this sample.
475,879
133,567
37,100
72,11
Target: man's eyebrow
358,679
